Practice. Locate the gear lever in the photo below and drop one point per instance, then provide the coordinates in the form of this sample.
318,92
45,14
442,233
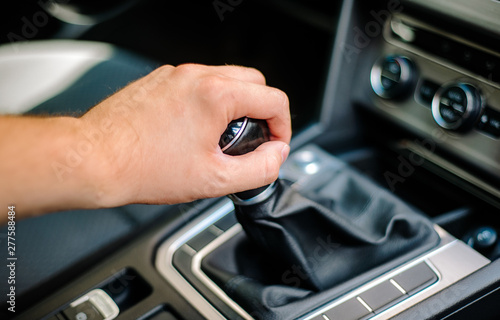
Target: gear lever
242,136
359,224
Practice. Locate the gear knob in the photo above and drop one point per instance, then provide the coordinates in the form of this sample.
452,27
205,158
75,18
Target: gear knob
242,136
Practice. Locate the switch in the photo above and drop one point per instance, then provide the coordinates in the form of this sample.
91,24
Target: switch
95,305
416,278
83,311
351,309
382,295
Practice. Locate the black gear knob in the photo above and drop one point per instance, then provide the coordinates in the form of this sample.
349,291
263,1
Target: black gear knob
242,136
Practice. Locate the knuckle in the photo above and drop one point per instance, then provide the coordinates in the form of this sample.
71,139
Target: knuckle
187,69
164,69
211,86
259,76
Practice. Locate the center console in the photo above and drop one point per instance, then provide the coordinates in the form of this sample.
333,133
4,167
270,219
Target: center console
378,293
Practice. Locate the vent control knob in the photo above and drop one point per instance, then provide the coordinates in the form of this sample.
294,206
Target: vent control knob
393,77
457,106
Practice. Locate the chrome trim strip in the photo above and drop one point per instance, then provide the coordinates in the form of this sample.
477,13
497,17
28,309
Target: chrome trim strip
164,259
197,271
257,199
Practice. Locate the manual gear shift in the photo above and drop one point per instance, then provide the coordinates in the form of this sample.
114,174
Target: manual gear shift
345,228
242,136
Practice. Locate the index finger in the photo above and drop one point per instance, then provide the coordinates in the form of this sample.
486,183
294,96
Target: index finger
260,102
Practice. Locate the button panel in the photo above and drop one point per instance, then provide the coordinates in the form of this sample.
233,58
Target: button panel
381,296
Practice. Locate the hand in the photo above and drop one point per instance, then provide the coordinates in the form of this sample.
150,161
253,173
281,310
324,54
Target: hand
160,135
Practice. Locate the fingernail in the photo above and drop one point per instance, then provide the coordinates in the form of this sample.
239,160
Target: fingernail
284,153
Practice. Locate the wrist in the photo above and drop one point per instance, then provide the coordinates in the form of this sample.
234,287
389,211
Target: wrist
109,165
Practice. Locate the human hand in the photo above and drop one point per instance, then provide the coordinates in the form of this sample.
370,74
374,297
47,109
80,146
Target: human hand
161,133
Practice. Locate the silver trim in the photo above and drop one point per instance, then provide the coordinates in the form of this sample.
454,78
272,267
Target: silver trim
237,136
164,259
367,307
398,286
197,271
254,200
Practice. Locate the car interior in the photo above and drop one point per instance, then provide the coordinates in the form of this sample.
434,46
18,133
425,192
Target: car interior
386,208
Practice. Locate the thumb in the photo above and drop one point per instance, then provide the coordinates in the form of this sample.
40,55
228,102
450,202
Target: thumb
257,168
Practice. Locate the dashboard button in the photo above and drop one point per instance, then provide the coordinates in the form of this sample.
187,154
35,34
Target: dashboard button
381,295
351,309
95,305
490,122
83,311
393,77
457,106
416,278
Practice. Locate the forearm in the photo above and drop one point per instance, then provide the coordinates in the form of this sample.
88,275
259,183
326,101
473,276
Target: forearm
47,165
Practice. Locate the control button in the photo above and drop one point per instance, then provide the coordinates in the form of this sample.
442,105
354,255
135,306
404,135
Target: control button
416,278
490,122
227,222
393,77
426,92
351,309
381,295
201,240
457,106
96,304
83,311
483,239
